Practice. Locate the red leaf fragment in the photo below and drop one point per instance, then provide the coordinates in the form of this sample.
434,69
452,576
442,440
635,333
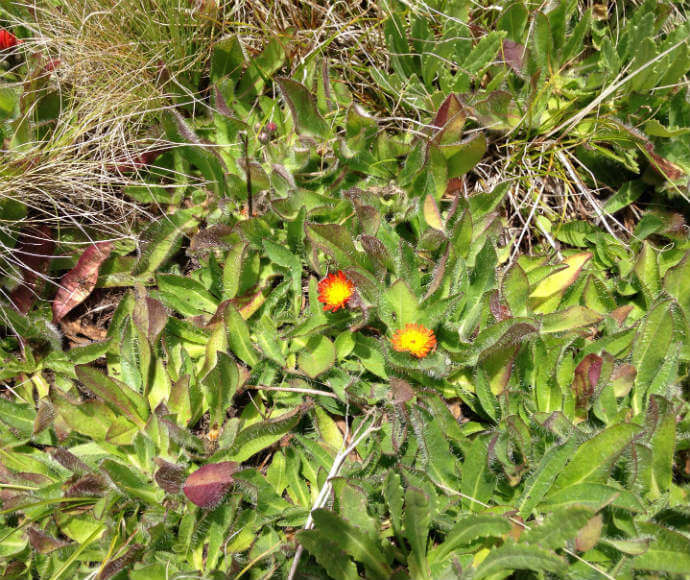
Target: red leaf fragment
448,109
586,379
78,283
207,486
34,249
513,53
663,166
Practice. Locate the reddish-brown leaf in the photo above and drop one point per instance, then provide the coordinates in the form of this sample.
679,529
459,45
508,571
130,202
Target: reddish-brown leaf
78,283
663,166
586,379
513,53
34,249
499,311
448,109
207,486
42,542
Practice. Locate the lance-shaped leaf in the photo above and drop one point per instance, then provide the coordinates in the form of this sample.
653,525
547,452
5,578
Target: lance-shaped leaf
78,283
558,282
594,458
34,250
258,436
520,557
117,394
207,486
308,121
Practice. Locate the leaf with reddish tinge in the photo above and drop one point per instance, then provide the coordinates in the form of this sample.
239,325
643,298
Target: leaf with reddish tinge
663,166
34,250
586,379
78,283
512,53
207,486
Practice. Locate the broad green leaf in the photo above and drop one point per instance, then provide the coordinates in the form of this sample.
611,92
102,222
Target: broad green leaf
162,239
317,356
520,557
258,436
334,240
477,482
515,289
558,282
558,528
117,394
398,305
595,457
569,319
350,539
221,384
484,52
466,530
593,495
668,552
307,119
238,336
541,479
328,554
417,520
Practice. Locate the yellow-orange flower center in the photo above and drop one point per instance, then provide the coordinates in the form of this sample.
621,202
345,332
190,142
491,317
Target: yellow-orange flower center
335,290
416,339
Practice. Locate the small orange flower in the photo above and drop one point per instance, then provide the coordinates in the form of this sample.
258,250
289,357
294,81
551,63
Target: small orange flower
7,39
416,339
335,290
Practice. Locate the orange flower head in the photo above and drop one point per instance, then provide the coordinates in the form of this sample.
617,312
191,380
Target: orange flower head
335,290
7,39
416,339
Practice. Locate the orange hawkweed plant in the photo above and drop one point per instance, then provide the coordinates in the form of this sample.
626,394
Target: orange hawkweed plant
335,290
416,339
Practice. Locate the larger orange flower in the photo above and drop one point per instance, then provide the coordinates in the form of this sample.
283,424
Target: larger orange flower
335,290
416,339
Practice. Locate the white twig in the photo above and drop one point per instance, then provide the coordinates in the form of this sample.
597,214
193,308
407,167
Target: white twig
327,486
575,119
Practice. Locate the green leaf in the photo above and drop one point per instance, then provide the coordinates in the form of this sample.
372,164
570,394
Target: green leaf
308,121
477,480
569,319
317,356
417,521
227,59
558,527
541,479
628,193
593,495
185,295
351,540
669,552
117,394
520,557
513,21
258,436
328,554
238,336
595,457
515,289
161,240
221,384
398,305
484,53
334,240
466,530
